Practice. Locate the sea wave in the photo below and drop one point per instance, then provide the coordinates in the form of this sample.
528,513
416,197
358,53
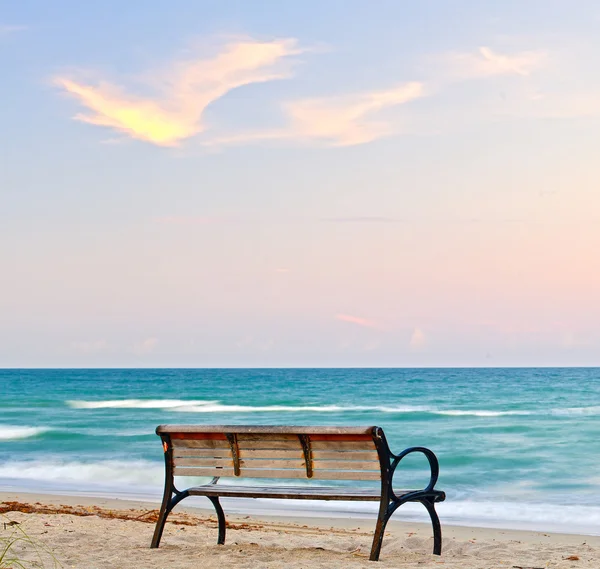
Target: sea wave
184,406
105,472
201,406
16,432
135,404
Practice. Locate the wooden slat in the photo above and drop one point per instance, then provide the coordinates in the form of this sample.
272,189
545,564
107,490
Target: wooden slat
340,437
346,465
183,471
296,492
200,452
220,444
281,429
271,463
343,445
206,462
317,475
278,473
264,453
345,455
198,436
267,437
270,444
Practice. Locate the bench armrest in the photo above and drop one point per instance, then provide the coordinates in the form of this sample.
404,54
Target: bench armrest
433,464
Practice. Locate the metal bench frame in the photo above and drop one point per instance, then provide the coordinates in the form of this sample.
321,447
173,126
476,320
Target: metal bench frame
389,499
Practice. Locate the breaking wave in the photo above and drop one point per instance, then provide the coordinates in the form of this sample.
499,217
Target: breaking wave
15,433
200,406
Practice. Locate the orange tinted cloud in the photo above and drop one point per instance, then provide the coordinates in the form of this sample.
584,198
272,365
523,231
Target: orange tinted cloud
336,121
417,340
486,63
356,320
175,113
346,121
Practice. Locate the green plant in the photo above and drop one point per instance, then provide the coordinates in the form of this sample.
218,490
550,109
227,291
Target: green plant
18,539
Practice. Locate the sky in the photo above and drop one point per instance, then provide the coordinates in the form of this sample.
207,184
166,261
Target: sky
343,183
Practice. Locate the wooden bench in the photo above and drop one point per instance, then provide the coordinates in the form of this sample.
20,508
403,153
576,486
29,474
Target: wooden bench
307,453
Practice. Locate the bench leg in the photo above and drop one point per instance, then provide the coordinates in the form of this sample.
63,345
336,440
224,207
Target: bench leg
437,528
382,519
220,517
386,513
167,505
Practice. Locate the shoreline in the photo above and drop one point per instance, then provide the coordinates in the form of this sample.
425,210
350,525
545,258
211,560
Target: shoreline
449,511
336,521
102,537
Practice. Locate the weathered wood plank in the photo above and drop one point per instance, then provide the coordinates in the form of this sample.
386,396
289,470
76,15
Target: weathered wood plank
283,429
346,465
345,455
270,444
267,437
206,462
220,444
278,473
343,445
265,453
199,436
340,437
190,471
294,492
201,452
271,463
317,475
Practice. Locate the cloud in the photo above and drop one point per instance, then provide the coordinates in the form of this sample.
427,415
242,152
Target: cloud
487,63
356,320
175,112
363,219
90,347
187,220
417,340
336,121
145,346
6,29
344,121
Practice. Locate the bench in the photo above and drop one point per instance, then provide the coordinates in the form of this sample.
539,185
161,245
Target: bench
306,453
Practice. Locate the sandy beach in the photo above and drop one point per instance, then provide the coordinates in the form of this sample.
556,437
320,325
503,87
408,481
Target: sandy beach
94,533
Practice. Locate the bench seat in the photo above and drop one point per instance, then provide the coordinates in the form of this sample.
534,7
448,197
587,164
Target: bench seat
357,458
296,492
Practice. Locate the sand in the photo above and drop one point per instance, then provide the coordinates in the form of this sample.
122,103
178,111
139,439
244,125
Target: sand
113,534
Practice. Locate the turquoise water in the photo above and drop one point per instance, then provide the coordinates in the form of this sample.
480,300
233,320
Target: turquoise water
517,447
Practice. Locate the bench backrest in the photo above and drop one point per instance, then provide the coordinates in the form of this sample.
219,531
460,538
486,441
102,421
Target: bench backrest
326,453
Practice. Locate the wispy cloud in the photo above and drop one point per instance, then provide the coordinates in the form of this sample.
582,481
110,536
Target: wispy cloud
144,346
89,347
345,121
417,340
181,95
6,29
363,219
486,62
187,220
336,121
356,320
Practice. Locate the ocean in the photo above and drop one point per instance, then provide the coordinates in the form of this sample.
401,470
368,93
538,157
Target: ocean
518,448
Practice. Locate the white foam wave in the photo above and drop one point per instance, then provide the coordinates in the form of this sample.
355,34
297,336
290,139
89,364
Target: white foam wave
14,432
106,473
476,413
136,404
201,406
220,408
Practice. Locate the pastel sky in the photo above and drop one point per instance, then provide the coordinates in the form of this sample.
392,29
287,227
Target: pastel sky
267,183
